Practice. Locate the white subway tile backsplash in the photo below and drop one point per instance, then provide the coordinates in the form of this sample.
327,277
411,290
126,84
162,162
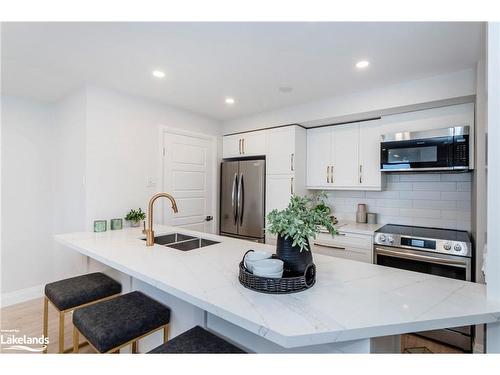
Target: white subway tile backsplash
420,212
437,205
399,186
456,196
432,195
387,194
392,178
464,186
419,177
423,199
455,215
435,186
435,223
398,203
456,177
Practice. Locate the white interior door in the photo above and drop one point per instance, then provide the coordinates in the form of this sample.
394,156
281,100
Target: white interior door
189,176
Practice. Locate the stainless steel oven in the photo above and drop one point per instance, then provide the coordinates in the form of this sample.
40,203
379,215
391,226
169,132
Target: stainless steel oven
447,149
441,252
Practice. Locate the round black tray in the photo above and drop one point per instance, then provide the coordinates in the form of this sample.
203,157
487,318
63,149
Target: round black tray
289,283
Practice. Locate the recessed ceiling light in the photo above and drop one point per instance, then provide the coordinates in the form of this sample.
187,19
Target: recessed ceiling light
158,74
230,101
362,64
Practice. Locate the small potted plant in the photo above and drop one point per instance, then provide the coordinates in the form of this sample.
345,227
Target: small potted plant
135,217
302,219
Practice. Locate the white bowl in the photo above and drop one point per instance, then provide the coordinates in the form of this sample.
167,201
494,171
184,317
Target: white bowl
268,266
255,256
275,275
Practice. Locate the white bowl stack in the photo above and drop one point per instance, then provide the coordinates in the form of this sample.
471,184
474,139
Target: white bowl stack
260,264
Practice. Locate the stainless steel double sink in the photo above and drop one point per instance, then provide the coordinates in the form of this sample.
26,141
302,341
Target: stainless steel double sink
182,242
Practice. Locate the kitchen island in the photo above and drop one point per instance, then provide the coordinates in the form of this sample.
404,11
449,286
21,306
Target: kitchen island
350,303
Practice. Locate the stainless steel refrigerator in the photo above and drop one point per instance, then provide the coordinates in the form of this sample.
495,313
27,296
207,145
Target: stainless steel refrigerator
242,199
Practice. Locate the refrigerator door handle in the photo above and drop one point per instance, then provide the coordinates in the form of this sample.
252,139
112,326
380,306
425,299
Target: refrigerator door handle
241,199
233,198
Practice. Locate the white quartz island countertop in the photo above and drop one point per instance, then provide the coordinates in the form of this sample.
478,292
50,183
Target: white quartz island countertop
350,300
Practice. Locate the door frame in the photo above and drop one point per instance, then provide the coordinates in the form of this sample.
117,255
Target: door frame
165,130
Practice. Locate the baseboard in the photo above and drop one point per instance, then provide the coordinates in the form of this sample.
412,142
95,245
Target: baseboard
23,295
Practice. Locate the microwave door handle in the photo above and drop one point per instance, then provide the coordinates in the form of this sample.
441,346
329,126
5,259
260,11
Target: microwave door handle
423,258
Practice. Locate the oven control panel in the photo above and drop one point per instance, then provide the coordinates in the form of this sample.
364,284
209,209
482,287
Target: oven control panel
425,244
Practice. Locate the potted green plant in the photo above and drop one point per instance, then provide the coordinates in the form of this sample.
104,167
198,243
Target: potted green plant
135,217
302,219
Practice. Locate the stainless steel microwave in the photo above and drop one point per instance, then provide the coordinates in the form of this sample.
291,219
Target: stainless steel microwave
445,149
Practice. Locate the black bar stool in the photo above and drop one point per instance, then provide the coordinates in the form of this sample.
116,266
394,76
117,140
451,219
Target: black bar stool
110,325
197,340
73,293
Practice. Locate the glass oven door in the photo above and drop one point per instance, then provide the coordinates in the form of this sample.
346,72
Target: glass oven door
444,265
427,154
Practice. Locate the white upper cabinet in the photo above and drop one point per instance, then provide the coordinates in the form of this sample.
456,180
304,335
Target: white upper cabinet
370,177
244,144
344,157
231,146
344,166
319,157
281,150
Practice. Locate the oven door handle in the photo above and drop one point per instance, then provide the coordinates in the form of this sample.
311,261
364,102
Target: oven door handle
424,258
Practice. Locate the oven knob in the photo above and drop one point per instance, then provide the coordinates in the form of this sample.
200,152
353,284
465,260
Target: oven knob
390,239
381,238
457,247
447,246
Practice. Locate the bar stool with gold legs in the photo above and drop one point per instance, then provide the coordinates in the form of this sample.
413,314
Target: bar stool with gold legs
111,325
73,293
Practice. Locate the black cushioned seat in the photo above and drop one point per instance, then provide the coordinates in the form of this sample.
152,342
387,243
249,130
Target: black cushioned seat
109,324
197,340
76,291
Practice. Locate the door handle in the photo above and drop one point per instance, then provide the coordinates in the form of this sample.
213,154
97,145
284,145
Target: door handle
328,174
243,145
291,186
360,174
233,199
239,146
209,218
292,156
241,199
331,174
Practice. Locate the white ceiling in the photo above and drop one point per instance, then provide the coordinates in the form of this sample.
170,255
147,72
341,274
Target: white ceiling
205,62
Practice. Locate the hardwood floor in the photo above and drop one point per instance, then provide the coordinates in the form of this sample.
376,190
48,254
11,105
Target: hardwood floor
27,318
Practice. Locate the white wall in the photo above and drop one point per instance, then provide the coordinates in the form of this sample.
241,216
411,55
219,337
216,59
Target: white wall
123,149
27,194
64,165
373,102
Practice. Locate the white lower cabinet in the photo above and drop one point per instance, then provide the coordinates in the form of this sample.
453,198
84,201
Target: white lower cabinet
346,245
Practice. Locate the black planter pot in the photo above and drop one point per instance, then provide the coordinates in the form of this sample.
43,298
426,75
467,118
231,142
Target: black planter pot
295,261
